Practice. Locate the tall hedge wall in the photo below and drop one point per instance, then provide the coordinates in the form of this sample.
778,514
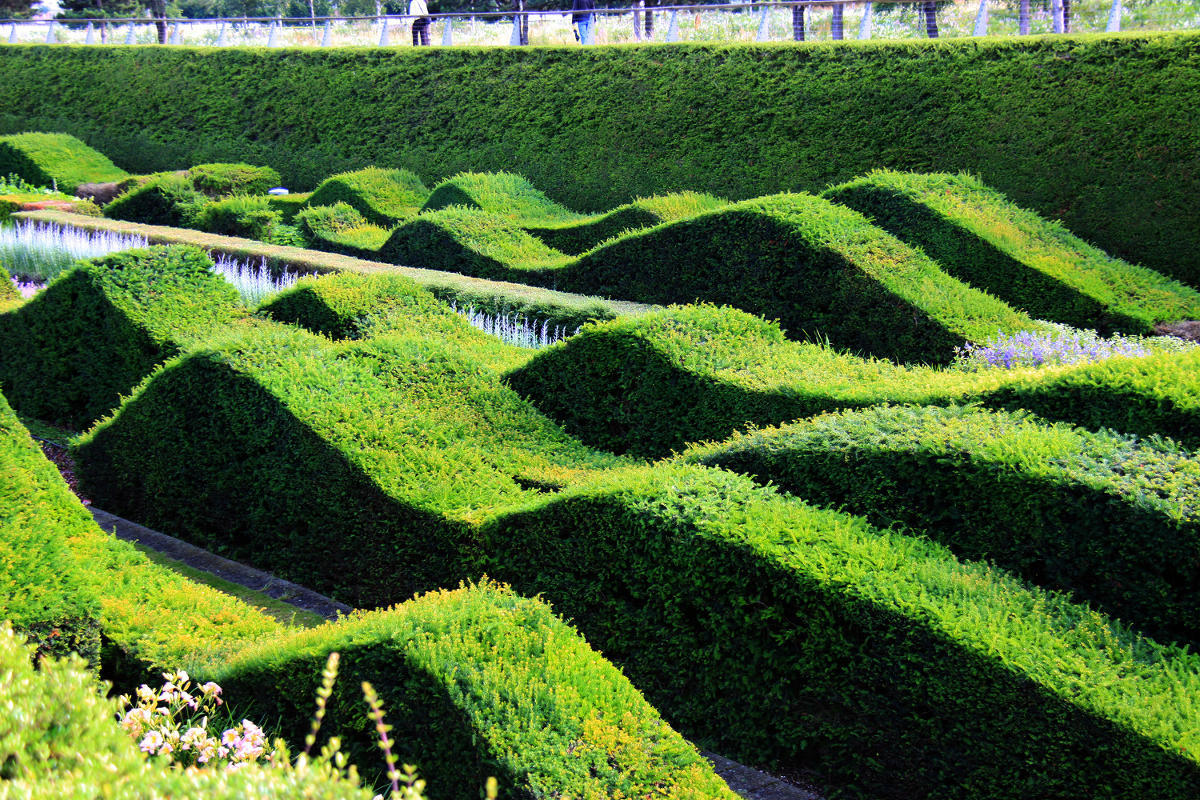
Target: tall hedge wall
1099,131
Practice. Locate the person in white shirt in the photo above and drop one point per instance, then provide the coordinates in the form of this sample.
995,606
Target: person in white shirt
421,22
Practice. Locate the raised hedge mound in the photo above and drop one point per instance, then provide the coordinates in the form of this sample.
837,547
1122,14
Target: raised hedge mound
55,159
502,193
651,384
383,196
775,631
477,681
1109,518
578,236
979,236
260,454
822,270
1046,120
71,352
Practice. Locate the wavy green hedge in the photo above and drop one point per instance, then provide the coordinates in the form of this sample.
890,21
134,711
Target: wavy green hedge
477,681
978,235
99,328
651,384
502,193
1097,131
578,236
773,630
382,196
1111,519
55,159
822,270
298,455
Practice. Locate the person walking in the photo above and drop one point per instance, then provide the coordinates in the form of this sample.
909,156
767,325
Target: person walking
421,22
583,17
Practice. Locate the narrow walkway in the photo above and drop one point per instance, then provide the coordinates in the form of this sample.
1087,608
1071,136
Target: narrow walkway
747,782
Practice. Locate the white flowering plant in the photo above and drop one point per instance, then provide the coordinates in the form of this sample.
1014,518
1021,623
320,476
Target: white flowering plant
173,722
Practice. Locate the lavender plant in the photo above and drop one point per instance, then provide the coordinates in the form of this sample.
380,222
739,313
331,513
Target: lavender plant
1060,346
255,282
40,251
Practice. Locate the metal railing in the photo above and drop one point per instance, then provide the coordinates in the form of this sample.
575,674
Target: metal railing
790,20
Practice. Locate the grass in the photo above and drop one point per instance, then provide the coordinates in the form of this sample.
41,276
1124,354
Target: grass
55,159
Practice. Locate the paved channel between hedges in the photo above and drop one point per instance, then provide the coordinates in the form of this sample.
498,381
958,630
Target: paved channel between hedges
749,783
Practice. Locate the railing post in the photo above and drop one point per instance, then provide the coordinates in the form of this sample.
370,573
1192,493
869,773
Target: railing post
129,36
90,35
327,33
637,19
763,22
50,33
1114,18
515,39
864,27
221,35
981,19
12,34
176,36
384,39
448,32
673,28
1056,13
271,35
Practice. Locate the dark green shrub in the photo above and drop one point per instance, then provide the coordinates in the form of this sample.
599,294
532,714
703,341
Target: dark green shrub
8,289
99,328
1104,516
979,236
165,199
223,180
580,236
248,217
296,454
773,631
55,159
650,384
501,193
383,196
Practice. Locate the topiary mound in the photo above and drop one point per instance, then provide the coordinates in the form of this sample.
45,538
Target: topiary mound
383,196
981,237
1112,519
651,384
223,180
340,228
166,198
58,159
99,328
576,237
502,193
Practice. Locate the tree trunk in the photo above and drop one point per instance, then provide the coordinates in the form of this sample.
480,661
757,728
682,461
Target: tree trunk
1023,17
649,26
522,21
1066,16
931,28
836,25
798,23
158,10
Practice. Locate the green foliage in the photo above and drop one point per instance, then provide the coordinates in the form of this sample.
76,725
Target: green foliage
478,682
99,328
262,455
502,193
981,237
248,217
774,631
739,120
340,228
1112,519
575,237
8,289
383,196
224,180
55,158
164,199
648,385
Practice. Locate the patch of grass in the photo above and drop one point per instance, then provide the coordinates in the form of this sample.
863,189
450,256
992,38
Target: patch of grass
46,159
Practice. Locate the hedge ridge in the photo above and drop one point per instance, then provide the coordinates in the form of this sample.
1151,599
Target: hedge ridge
382,196
576,237
1046,120
1112,519
55,159
652,384
978,235
877,660
100,327
502,193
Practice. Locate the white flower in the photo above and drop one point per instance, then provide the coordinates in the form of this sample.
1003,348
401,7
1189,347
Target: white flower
151,742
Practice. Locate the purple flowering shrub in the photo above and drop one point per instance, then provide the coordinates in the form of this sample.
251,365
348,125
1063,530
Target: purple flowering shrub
1060,346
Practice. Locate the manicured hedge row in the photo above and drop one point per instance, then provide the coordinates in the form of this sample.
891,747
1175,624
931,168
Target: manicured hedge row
822,270
299,455
1114,520
580,236
979,236
652,384
382,196
55,159
1050,121
767,629
478,681
71,352
561,308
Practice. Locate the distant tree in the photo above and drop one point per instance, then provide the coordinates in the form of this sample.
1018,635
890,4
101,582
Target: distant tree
16,9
